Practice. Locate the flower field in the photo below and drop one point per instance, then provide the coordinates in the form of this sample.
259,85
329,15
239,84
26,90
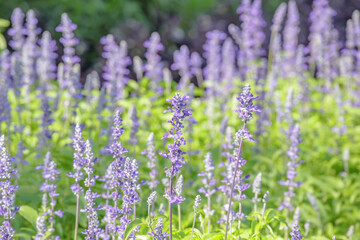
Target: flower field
249,139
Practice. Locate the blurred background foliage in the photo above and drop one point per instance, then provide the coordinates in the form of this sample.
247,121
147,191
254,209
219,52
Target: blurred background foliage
177,21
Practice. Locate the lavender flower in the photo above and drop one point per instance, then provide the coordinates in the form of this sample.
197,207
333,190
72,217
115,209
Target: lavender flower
228,64
196,209
30,47
159,232
17,30
46,133
195,66
46,64
5,107
130,195
7,190
245,111
114,178
152,160
78,165
252,34
69,41
50,174
116,67
153,65
181,63
174,153
212,53
291,32
293,154
295,234
321,36
134,127
93,228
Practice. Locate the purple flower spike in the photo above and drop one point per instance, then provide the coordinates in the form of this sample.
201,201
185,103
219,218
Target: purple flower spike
93,228
46,64
252,35
228,64
153,66
69,41
238,185
116,67
246,107
17,30
212,53
134,127
152,161
196,63
114,179
295,234
181,63
291,173
291,33
158,232
79,162
174,153
209,182
50,174
7,200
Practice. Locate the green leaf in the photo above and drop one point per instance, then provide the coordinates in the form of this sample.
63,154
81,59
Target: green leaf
2,42
213,236
4,23
131,227
29,214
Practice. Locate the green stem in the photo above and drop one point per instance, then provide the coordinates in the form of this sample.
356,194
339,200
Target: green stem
193,226
179,216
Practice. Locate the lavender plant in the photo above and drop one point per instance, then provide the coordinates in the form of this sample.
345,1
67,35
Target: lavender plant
8,208
245,110
49,188
174,153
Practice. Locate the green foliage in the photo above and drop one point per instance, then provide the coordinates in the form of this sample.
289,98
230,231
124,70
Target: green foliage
337,193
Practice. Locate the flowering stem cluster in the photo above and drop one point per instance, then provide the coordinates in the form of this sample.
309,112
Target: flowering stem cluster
175,154
245,111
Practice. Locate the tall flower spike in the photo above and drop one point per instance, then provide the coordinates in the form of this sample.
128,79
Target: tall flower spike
159,232
116,66
7,190
295,234
153,66
50,174
291,34
114,178
291,173
174,153
17,30
181,63
152,160
46,64
93,228
196,210
212,53
196,66
228,65
130,195
69,41
245,110
134,127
